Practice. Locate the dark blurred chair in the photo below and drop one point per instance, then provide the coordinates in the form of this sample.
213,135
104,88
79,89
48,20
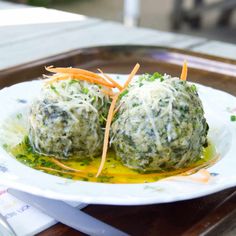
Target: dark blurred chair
193,16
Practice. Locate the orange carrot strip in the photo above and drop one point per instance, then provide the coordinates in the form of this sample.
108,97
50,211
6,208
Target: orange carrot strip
106,136
63,166
73,71
91,79
116,109
81,175
184,72
80,72
109,120
83,77
203,178
132,74
56,77
111,80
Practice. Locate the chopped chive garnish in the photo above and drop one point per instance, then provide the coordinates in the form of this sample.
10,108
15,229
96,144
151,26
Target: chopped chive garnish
233,117
19,116
73,81
54,89
85,90
123,94
194,88
151,77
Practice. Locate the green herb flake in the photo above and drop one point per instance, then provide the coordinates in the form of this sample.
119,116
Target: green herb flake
135,104
233,117
85,179
73,81
94,98
104,178
193,88
20,156
63,85
85,90
28,146
5,146
53,88
86,161
156,76
19,116
49,164
149,77
123,93
143,77
102,119
90,175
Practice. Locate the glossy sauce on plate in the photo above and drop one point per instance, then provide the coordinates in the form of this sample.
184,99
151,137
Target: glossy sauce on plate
113,172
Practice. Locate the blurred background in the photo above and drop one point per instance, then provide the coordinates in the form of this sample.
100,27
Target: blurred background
213,19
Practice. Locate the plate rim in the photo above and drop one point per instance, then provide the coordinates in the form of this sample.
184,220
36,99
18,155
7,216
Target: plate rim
101,200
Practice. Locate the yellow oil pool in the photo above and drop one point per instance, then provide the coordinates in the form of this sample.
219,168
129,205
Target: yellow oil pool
113,172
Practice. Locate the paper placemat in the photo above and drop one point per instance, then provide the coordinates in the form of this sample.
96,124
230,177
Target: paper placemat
25,219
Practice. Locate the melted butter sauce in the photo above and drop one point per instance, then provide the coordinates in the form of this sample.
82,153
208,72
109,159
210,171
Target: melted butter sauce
113,172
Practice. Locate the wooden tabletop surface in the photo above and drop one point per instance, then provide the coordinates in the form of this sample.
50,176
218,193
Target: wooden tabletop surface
29,33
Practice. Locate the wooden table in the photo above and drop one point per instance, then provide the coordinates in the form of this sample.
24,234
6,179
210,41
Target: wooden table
28,34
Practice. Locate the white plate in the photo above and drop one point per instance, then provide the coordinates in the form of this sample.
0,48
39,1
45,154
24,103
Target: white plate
218,105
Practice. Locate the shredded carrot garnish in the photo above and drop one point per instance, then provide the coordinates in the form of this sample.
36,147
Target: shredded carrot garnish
111,80
116,109
106,135
205,176
57,77
93,80
81,77
109,119
63,166
132,74
62,171
202,176
70,70
74,73
51,169
184,72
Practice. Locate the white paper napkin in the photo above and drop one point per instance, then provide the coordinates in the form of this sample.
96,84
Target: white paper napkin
25,219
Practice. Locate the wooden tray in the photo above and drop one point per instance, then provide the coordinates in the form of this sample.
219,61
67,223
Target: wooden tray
206,215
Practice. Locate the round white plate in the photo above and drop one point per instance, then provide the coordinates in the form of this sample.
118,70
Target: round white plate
218,105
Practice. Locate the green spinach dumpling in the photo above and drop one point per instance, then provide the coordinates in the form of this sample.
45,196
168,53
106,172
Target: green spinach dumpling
160,124
68,119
